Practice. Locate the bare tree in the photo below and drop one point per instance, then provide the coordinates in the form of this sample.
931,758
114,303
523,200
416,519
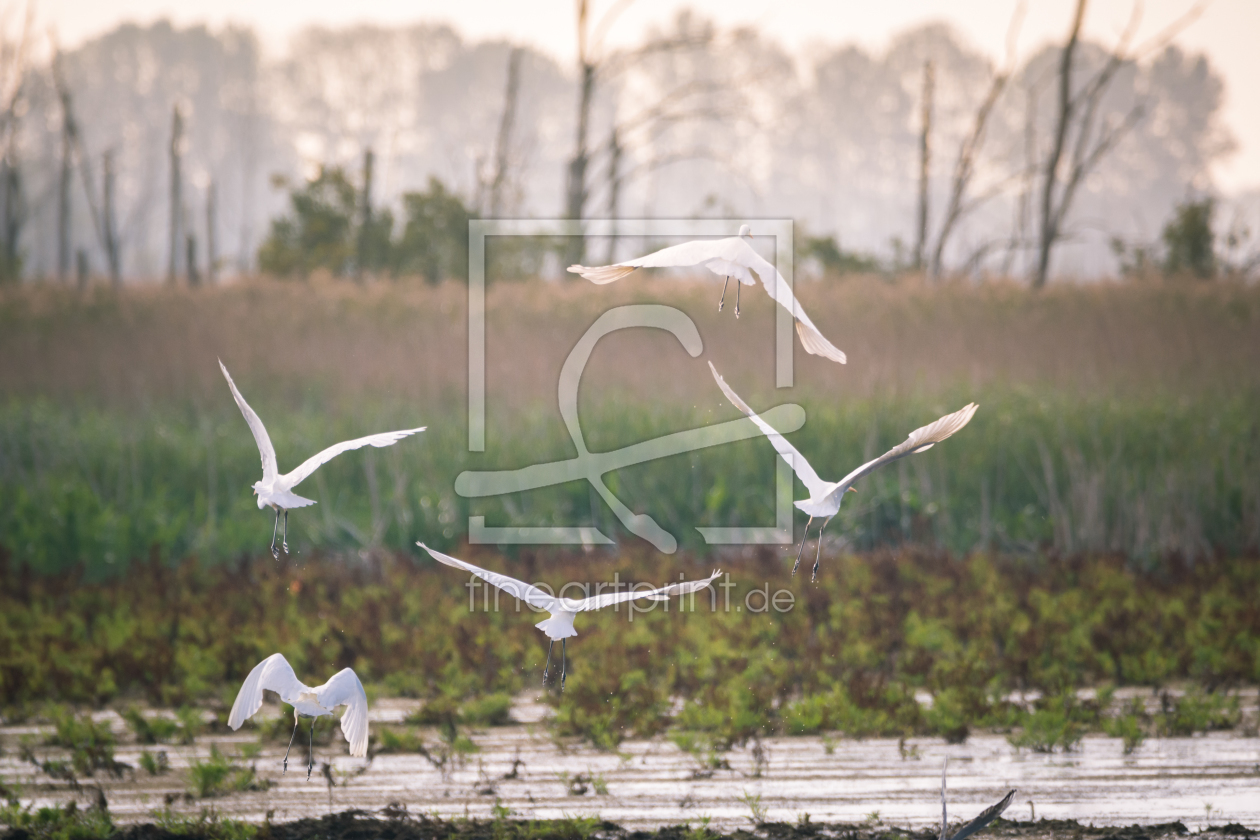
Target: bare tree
212,232
365,223
13,209
503,141
925,162
73,148
1077,143
588,64
110,221
969,149
64,209
177,213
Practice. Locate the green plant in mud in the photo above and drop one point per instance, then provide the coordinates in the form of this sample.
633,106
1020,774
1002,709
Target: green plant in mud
157,764
208,824
1196,711
158,729
757,811
1058,723
57,822
91,744
220,774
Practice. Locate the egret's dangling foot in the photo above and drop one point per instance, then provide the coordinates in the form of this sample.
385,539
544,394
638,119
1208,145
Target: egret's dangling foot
737,285
563,662
804,536
310,756
813,576
274,551
547,667
286,749
722,299
285,542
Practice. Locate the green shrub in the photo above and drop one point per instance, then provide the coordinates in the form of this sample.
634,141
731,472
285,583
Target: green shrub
150,730
91,744
1053,725
220,774
1196,711
57,822
155,765
490,710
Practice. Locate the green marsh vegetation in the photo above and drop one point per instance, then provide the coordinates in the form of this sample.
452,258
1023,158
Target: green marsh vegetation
1096,524
849,656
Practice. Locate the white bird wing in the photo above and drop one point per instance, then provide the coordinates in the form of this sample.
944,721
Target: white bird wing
811,338
920,440
664,593
273,674
816,486
256,426
344,689
528,593
676,256
293,479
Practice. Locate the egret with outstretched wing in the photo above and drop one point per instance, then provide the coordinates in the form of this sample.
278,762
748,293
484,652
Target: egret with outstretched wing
277,490
344,689
825,496
729,257
563,610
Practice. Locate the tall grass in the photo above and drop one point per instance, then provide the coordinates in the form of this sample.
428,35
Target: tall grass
1113,418
1144,476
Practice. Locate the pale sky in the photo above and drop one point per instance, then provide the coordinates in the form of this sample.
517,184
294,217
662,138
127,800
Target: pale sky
1227,30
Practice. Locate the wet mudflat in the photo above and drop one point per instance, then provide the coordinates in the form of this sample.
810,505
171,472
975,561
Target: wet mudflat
876,785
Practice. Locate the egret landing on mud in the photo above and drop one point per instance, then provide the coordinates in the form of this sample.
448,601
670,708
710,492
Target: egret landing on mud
275,674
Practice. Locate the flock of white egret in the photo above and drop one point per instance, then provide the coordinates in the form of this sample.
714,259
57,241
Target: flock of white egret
730,257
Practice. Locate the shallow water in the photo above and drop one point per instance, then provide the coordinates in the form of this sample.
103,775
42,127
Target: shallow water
1210,779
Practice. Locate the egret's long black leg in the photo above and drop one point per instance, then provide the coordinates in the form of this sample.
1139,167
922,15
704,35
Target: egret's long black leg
737,285
274,551
818,552
797,564
563,662
286,749
547,667
310,756
286,532
722,300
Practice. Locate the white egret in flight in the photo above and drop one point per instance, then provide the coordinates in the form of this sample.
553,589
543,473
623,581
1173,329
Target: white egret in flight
564,610
277,490
825,496
729,257
275,674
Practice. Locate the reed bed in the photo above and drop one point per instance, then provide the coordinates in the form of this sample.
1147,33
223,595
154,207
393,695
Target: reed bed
1117,418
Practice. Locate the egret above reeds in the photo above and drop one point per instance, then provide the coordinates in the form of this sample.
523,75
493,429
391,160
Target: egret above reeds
825,496
277,490
344,689
564,610
729,257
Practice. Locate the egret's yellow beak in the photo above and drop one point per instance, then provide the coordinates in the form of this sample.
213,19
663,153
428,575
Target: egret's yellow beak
852,490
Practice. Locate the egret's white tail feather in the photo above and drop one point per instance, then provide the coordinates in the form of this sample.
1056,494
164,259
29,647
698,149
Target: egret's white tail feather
814,342
602,274
557,627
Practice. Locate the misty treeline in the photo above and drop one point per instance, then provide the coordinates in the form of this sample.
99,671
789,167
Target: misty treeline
156,151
